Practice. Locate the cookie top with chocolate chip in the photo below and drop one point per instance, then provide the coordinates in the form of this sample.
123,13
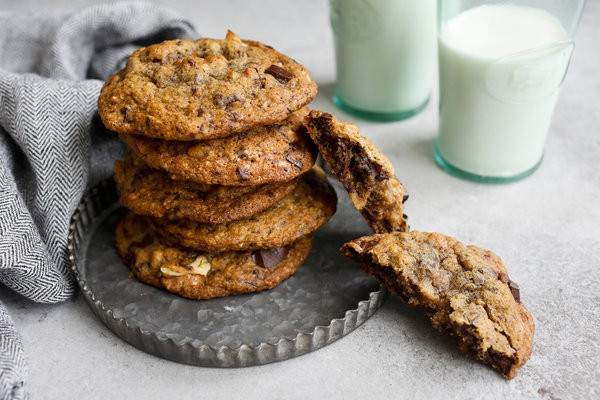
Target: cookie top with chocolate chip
199,275
465,290
271,153
311,204
151,192
363,169
203,89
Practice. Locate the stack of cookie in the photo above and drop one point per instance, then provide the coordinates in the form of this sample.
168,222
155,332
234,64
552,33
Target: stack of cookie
218,173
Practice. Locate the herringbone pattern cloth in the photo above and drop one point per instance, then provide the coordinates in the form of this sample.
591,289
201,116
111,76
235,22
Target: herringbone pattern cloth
52,66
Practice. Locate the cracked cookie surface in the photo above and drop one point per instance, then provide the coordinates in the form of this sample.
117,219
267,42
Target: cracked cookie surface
465,290
264,154
151,192
311,204
203,89
363,170
198,275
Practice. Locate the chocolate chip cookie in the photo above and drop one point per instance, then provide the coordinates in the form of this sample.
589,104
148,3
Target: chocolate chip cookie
150,192
365,172
203,89
263,154
310,205
465,290
199,275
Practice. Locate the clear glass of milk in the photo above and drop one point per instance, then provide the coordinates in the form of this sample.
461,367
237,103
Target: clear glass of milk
385,56
501,65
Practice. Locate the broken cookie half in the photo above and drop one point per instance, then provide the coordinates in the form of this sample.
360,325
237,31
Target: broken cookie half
465,290
363,169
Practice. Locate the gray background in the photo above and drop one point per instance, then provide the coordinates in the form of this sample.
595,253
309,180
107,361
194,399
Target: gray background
546,228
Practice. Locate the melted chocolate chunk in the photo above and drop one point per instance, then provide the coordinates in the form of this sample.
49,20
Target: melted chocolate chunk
268,258
502,362
371,167
290,158
244,173
514,289
337,147
280,74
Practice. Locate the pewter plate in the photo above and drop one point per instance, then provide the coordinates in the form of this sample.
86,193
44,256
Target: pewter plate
325,299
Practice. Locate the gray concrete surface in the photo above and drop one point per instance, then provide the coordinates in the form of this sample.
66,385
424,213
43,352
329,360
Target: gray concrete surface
546,228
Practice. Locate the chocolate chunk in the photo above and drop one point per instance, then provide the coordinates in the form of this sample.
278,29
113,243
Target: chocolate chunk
501,275
371,167
293,161
225,101
514,289
335,145
268,258
500,361
279,73
369,212
243,172
125,112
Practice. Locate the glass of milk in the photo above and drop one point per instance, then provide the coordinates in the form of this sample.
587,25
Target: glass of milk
501,65
385,56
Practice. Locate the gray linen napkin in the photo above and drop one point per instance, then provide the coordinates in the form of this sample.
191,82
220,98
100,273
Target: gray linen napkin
52,145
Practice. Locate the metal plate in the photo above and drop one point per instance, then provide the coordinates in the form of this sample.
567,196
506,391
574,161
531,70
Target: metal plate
327,298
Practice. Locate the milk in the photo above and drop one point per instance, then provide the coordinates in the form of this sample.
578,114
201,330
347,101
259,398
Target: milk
496,95
385,53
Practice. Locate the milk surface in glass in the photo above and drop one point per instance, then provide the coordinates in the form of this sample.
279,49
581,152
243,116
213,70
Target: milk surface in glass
385,53
501,67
